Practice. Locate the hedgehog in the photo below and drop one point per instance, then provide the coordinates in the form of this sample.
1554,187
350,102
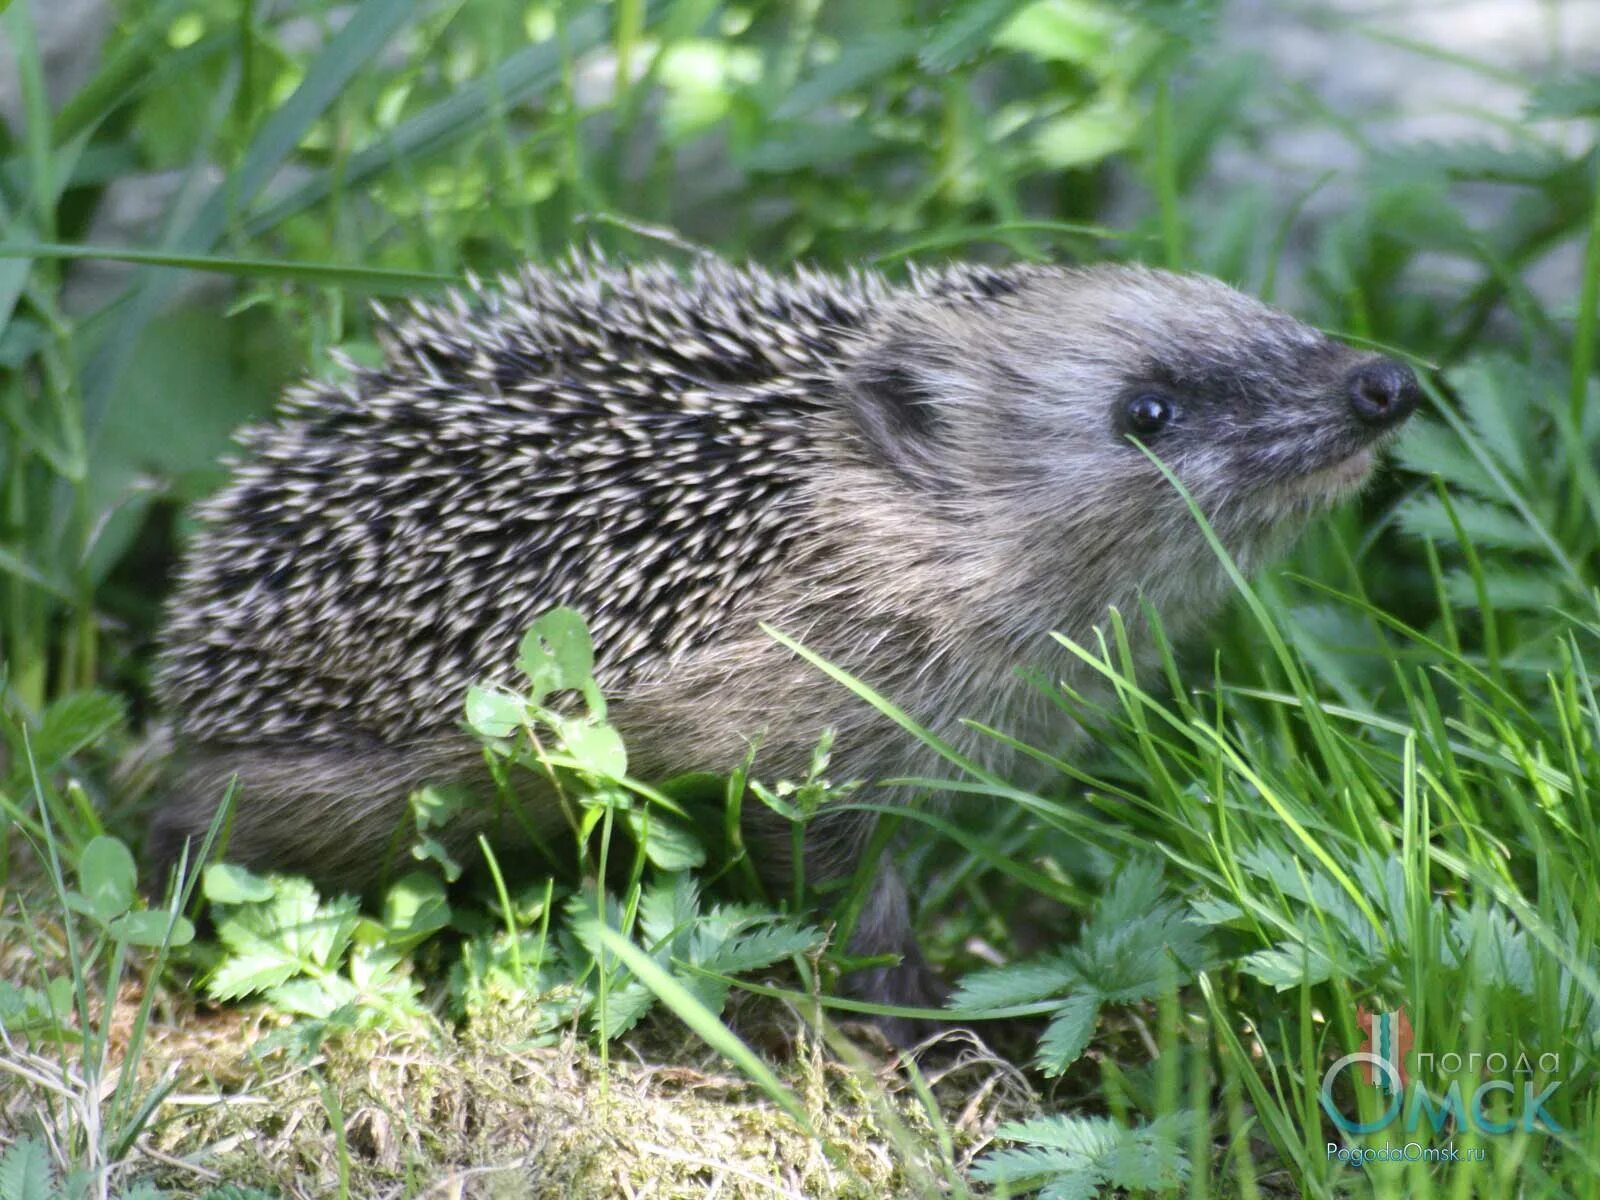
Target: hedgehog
918,480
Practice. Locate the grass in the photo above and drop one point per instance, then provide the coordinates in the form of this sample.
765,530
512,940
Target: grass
1374,789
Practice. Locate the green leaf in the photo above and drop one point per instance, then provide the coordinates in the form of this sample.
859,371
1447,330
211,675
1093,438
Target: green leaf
318,999
1137,944
625,1007
60,994
146,928
73,722
293,933
414,908
761,948
1559,99
1312,887
668,909
362,38
1065,30
1489,526
1151,1157
520,77
1508,589
808,145
556,653
1076,1183
1214,911
1136,892
192,378
669,844
701,78
1128,954
107,877
226,883
711,994
26,1009
1494,397
1290,965
124,74
1068,1034
1019,983
383,973
1495,951
16,563
1026,1169
774,799
1063,1156
1432,448
1526,162
435,805
25,1172
1088,134
493,713
430,849
596,746
241,975
1082,1136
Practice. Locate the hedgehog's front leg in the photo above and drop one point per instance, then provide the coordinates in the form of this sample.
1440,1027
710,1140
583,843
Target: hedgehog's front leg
832,851
885,928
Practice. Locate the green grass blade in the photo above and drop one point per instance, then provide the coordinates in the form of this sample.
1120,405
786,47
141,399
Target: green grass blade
377,279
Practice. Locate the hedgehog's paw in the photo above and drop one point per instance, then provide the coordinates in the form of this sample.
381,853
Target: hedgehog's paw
910,983
885,928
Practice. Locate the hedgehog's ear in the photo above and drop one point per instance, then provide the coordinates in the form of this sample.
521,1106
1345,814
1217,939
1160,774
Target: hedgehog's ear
900,412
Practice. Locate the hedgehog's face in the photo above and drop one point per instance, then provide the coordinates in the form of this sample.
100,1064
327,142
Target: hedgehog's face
1037,397
1264,419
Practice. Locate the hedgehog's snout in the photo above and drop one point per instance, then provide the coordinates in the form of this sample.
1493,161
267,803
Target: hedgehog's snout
1382,393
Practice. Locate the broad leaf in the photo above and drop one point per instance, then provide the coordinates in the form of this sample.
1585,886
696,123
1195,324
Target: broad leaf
107,877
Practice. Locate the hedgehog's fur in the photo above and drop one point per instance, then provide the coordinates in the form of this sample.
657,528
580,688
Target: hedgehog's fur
918,481
616,439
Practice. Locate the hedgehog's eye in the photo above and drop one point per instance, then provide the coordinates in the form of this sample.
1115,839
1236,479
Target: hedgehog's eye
1147,413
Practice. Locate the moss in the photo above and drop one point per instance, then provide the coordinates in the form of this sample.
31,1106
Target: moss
473,1112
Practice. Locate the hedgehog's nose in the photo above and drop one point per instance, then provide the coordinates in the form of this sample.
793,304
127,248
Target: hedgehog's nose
1382,392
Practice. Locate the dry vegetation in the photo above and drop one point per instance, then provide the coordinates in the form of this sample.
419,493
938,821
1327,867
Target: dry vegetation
475,1112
